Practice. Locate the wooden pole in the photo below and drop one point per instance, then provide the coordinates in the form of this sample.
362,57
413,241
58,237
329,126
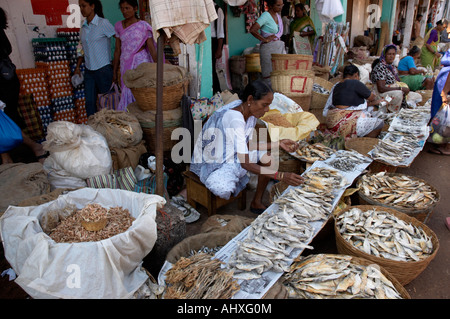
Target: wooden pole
159,115
408,26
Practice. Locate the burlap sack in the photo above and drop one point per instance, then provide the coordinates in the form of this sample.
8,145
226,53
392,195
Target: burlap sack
197,242
20,181
126,157
277,291
225,223
145,75
120,129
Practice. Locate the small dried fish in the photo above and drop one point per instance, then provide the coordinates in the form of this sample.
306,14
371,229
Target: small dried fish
336,276
313,152
384,235
347,160
398,190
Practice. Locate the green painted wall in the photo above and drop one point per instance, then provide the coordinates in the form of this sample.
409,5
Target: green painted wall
238,38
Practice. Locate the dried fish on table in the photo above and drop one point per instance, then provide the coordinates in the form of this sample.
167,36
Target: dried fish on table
322,178
387,151
398,190
336,276
381,234
347,160
199,277
313,152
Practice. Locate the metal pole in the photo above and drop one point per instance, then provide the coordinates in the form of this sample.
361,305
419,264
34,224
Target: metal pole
159,115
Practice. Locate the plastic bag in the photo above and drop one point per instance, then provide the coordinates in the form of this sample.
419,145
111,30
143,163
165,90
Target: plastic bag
10,133
78,149
105,269
440,126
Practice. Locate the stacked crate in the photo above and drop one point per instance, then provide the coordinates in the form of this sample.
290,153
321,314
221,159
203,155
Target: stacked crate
72,36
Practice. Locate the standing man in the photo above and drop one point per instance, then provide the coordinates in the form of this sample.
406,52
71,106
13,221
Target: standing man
416,28
217,39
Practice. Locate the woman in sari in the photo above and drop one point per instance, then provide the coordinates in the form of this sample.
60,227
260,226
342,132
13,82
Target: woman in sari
303,31
410,75
386,80
269,30
348,110
222,155
430,55
134,45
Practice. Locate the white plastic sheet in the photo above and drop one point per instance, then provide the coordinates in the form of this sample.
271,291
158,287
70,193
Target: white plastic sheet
110,268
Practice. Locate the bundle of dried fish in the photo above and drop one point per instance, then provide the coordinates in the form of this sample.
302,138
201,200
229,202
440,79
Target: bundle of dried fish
398,190
347,160
199,277
324,178
149,290
381,234
337,276
420,115
320,89
70,230
313,152
403,140
387,151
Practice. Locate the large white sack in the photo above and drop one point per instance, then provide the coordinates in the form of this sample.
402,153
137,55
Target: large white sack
78,149
110,268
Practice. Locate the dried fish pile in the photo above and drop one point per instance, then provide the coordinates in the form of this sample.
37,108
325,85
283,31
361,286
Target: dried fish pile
324,178
320,89
93,213
398,190
348,160
420,115
313,152
390,152
149,290
70,229
199,277
272,236
337,277
381,234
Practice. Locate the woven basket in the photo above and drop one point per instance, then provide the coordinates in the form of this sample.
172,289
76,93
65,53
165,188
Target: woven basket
149,135
237,64
364,145
146,97
293,83
426,95
288,163
252,63
303,100
423,215
403,271
288,62
319,100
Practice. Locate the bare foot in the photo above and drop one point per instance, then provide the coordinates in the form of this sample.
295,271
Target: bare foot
6,159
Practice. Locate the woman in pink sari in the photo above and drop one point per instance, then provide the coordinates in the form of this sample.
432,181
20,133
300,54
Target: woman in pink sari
134,45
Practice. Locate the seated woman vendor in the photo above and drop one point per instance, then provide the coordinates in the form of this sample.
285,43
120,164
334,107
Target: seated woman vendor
348,112
409,73
222,158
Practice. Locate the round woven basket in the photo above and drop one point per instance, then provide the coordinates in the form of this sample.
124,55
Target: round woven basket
288,62
403,271
146,97
303,100
149,135
293,83
423,215
319,100
252,63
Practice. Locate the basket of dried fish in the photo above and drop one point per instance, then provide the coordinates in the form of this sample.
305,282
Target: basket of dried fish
320,93
407,194
332,276
397,242
310,153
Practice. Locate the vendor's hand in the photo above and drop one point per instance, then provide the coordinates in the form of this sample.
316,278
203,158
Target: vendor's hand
437,54
269,38
77,71
405,90
288,145
291,178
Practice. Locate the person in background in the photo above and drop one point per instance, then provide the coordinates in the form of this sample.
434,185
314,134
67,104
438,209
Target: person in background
303,24
217,41
222,156
9,94
416,28
409,73
134,45
95,35
348,110
440,96
430,55
386,80
269,29
285,16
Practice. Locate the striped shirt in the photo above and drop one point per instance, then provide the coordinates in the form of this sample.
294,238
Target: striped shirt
96,42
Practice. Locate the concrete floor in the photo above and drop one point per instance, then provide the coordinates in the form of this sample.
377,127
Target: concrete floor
432,283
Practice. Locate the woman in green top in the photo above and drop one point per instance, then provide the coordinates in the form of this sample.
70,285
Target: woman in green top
302,29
